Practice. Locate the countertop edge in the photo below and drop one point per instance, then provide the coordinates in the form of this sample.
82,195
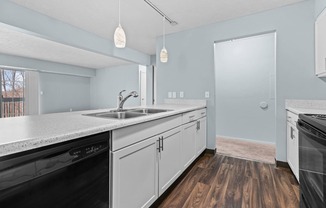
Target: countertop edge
305,110
36,142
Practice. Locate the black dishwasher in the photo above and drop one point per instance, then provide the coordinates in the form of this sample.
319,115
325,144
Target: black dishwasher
72,174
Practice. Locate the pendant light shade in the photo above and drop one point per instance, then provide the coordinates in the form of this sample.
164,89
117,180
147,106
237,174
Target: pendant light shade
164,53
119,35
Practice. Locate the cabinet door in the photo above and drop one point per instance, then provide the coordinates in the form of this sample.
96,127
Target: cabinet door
189,144
293,149
134,175
201,136
170,158
289,143
295,152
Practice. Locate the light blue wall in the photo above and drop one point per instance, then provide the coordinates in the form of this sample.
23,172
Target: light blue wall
244,72
107,83
60,93
23,18
319,7
191,61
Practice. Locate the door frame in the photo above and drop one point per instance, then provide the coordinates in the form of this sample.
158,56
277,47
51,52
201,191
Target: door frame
272,97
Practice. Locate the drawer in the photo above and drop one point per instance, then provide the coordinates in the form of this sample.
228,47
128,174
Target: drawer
292,118
201,113
193,115
132,134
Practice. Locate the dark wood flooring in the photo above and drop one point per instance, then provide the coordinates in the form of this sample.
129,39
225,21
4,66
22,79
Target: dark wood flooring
226,182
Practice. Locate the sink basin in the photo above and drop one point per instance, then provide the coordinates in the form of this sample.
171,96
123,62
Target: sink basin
149,110
116,115
127,113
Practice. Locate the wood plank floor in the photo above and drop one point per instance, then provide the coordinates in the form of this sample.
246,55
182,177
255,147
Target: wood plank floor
226,182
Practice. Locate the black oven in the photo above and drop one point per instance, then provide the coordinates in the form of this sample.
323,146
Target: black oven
312,160
72,174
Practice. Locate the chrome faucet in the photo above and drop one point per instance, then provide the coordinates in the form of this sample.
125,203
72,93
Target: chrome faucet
122,100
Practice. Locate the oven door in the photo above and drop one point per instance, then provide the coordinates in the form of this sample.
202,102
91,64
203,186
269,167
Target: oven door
312,165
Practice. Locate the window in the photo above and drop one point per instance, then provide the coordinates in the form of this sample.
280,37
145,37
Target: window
12,93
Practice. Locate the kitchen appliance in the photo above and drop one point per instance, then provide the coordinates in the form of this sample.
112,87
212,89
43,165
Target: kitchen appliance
312,160
69,174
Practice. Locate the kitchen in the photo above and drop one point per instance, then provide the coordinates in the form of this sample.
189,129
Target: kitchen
190,66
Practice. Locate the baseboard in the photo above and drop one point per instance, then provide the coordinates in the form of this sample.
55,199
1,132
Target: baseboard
245,140
281,164
210,151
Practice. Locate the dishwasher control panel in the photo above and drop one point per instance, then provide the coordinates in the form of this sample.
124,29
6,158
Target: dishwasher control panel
88,150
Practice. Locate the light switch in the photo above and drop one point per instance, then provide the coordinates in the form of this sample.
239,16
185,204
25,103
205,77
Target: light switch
174,94
207,94
181,94
169,94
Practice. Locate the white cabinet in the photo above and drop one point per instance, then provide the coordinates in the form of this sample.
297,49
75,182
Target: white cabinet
169,159
145,161
148,157
320,45
134,173
194,136
293,143
201,136
189,143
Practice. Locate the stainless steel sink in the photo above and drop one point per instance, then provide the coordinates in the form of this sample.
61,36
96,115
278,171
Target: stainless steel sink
116,115
148,110
127,113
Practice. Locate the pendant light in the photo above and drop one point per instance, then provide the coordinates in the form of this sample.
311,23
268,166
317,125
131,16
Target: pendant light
119,35
164,52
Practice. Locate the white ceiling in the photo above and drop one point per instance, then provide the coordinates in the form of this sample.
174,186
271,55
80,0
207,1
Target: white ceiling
141,23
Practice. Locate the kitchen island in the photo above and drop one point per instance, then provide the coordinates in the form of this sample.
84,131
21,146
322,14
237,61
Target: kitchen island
19,134
141,156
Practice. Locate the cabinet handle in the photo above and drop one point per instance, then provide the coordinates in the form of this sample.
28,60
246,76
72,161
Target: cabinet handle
159,144
292,133
162,144
202,113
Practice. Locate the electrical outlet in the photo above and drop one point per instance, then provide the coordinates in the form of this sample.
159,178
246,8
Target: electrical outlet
207,94
169,94
174,94
181,94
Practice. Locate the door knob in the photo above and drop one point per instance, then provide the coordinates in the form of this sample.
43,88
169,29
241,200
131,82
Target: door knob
263,105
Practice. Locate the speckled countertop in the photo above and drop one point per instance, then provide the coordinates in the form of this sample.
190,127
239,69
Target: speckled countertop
28,132
306,110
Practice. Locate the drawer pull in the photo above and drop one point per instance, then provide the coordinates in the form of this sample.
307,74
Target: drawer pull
191,117
203,113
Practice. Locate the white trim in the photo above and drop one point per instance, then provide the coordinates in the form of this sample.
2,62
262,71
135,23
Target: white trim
247,140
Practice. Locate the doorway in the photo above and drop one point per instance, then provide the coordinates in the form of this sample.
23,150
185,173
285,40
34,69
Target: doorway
245,88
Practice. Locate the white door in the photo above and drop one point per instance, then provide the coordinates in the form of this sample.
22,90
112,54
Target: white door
189,144
134,175
245,88
170,158
143,85
201,135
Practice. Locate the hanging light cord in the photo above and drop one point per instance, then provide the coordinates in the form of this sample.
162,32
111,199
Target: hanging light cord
119,12
164,31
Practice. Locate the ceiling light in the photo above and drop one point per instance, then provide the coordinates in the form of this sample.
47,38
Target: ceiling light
164,53
119,35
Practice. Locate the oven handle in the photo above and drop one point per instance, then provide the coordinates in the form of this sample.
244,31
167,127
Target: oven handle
300,126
